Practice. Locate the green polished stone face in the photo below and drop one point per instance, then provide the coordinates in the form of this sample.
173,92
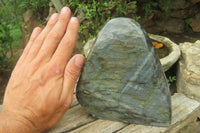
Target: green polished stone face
123,79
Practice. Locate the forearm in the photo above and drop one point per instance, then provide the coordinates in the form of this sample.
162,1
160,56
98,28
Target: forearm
14,124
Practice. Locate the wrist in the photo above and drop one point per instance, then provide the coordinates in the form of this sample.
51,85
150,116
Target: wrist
13,123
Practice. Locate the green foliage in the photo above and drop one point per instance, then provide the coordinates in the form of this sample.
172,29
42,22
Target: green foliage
187,25
99,12
5,45
11,12
33,4
171,79
187,21
16,34
148,6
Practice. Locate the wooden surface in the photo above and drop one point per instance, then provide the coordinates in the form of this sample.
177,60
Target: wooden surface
184,112
77,120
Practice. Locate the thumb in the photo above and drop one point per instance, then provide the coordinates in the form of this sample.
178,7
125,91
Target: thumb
71,75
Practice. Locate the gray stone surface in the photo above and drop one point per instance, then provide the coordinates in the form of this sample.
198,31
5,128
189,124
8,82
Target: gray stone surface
123,79
188,76
166,62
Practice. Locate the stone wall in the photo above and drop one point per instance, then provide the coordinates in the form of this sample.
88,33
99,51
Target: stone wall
30,21
182,12
183,15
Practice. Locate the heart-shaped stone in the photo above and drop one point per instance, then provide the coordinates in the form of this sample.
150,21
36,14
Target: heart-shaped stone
123,79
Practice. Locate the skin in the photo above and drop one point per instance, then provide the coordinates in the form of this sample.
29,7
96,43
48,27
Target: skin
41,86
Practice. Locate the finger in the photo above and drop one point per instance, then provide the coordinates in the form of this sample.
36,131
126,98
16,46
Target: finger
65,48
40,39
55,35
71,74
36,32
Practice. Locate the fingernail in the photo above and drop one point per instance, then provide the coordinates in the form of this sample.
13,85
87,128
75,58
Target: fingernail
36,30
54,16
73,18
79,61
64,10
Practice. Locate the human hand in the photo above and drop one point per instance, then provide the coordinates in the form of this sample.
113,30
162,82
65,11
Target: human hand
40,89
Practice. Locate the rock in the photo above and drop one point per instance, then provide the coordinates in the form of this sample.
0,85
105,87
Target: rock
172,25
30,21
1,79
80,15
166,62
178,4
188,76
154,29
52,10
78,48
184,13
147,23
57,4
123,79
150,26
195,23
88,46
195,1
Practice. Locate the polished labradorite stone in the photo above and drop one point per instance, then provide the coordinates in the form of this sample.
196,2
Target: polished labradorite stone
123,79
